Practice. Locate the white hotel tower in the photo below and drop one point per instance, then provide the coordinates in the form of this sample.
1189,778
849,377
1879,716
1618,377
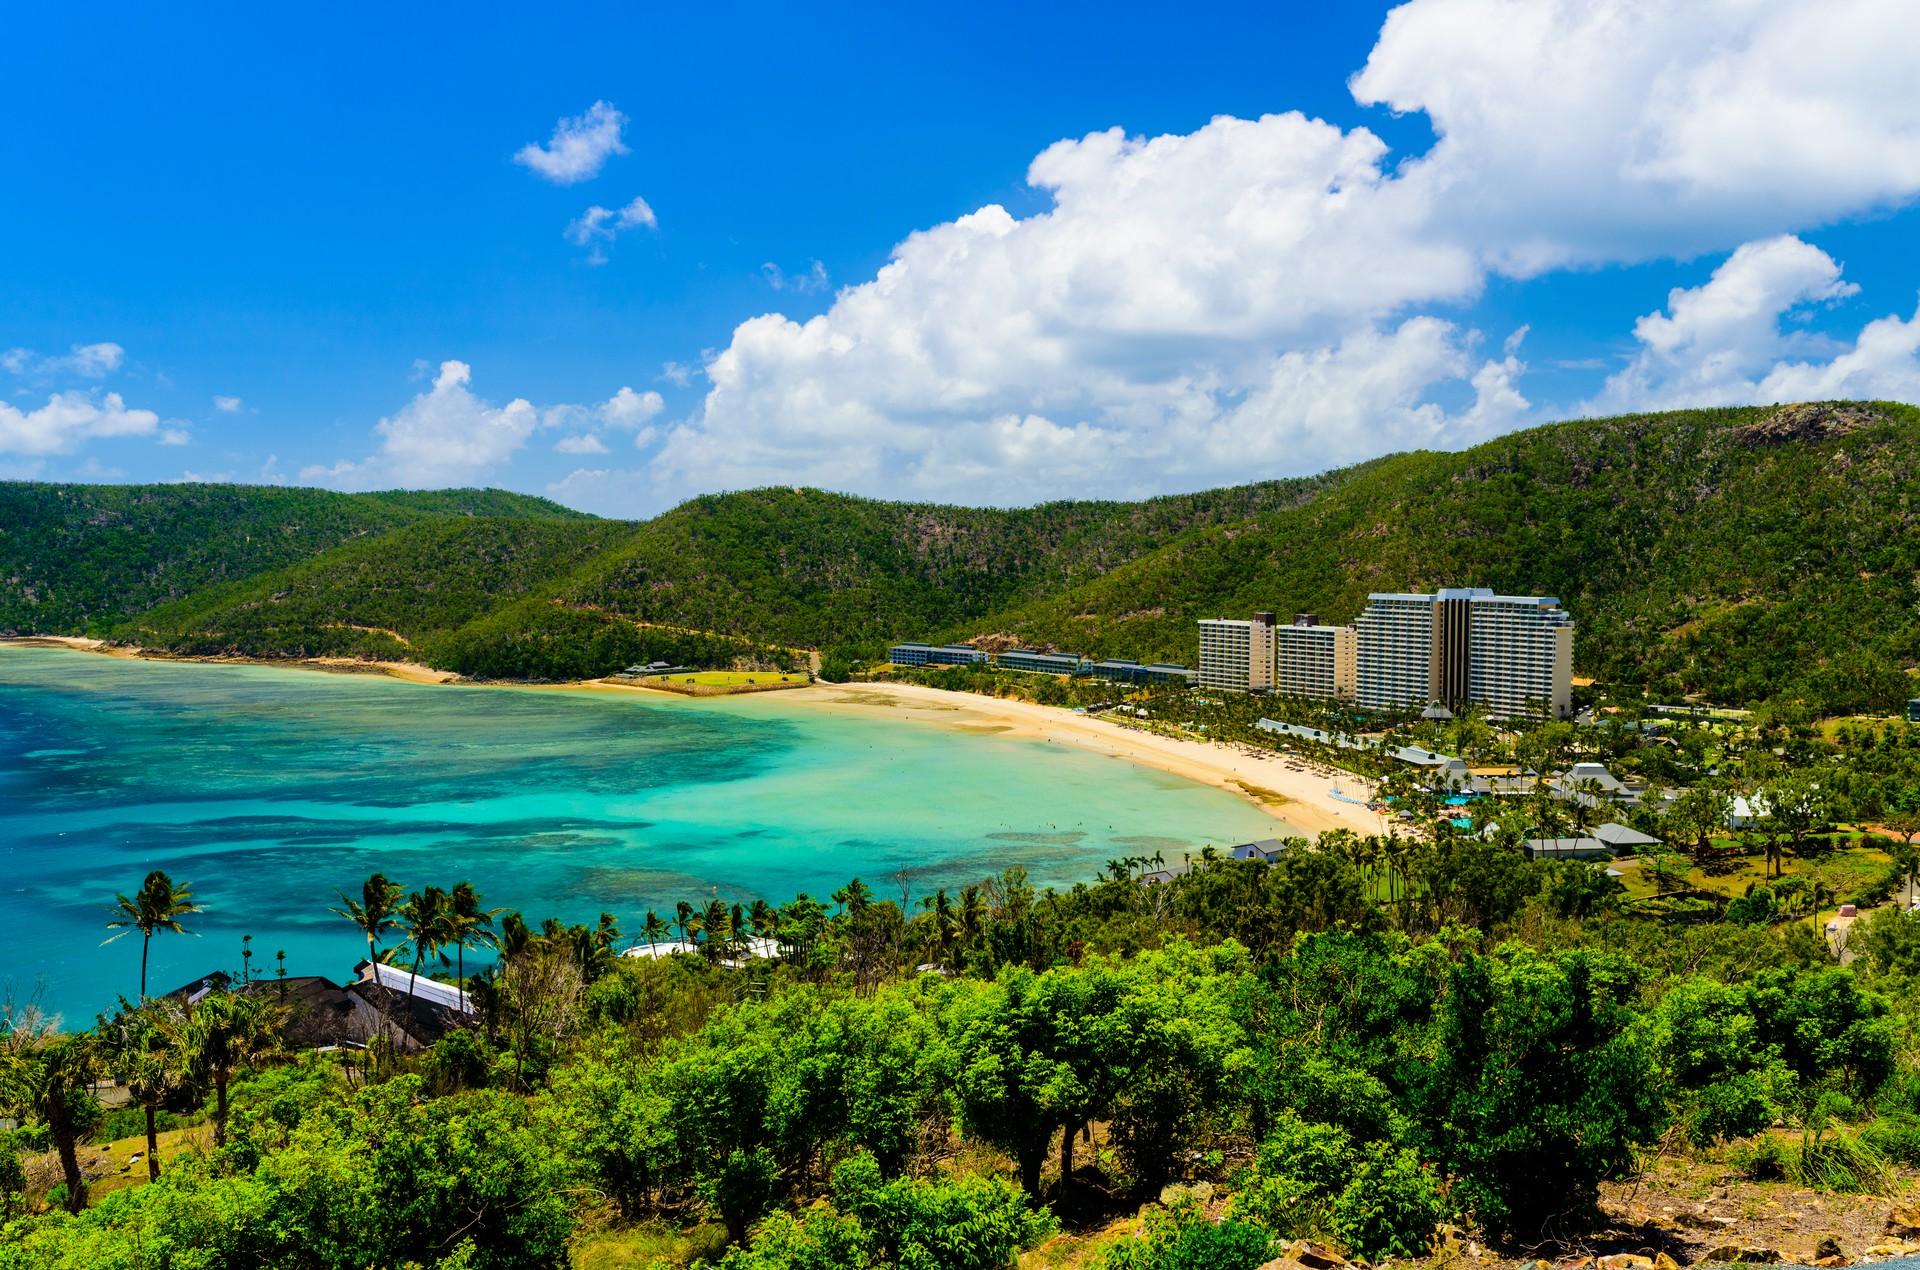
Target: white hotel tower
1512,654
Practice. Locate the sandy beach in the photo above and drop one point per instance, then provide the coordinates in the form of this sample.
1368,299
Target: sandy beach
1290,791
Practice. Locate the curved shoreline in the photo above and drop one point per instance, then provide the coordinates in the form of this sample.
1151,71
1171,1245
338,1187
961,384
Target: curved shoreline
1301,799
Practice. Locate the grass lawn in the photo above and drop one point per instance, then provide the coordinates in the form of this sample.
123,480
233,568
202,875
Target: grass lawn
736,678
108,1166
1846,869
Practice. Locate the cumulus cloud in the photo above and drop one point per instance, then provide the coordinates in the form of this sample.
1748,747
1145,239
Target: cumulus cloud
228,405
579,148
70,419
584,443
598,226
630,409
444,436
1576,131
1731,340
1262,296
1713,342
87,361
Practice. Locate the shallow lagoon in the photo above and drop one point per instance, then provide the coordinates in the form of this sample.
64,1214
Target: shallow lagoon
268,788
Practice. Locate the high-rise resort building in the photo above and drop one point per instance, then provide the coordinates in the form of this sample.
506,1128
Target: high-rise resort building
1465,645
1237,656
1311,660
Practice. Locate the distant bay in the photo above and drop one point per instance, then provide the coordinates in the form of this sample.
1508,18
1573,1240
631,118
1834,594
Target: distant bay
268,788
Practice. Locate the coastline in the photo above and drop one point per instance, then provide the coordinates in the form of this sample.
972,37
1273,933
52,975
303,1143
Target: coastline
1289,790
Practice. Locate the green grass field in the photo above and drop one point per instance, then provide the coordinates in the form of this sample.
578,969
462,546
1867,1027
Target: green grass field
735,678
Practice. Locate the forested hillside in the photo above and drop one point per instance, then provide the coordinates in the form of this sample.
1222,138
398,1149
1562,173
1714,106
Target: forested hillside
75,558
1741,554
1738,554
805,567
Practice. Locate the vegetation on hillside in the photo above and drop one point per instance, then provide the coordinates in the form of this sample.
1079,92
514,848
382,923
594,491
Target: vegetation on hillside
1739,555
76,559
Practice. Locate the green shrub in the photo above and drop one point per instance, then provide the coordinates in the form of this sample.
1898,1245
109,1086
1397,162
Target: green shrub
1896,1136
1186,1240
1390,1207
1737,1107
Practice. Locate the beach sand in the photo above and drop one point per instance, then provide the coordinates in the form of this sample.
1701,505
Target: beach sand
1290,790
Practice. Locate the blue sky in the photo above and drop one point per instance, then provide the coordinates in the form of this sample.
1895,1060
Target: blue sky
255,244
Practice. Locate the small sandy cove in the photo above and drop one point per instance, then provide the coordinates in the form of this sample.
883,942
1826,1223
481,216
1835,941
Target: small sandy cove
1289,789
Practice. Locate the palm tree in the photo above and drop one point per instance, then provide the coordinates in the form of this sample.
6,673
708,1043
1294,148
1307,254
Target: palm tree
134,1045
655,927
854,897
223,1033
737,927
683,918
373,913
715,924
424,918
159,906
468,923
763,918
51,1077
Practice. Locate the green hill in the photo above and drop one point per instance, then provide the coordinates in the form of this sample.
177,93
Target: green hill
1741,554
80,558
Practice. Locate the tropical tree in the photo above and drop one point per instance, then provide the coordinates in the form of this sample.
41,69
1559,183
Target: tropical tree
223,1033
655,928
715,924
424,918
374,912
50,1078
133,1044
683,918
158,906
468,924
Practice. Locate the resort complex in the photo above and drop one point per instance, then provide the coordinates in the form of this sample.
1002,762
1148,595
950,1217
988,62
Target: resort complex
1038,662
1511,654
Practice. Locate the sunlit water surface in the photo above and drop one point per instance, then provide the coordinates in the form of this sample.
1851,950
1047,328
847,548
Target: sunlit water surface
267,789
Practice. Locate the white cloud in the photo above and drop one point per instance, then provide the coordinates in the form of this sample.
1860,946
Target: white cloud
444,436
175,436
1713,341
599,225
809,280
604,491
585,443
1884,363
1724,342
1259,296
630,409
678,373
87,361
579,147
228,405
70,419
1597,130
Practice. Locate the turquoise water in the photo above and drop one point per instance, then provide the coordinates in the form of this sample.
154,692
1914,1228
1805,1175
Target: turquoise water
267,789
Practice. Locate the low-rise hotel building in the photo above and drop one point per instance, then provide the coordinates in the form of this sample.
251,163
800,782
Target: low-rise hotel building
1132,672
934,655
1034,661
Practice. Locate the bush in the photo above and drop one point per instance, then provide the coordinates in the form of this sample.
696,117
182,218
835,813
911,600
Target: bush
1390,1207
963,1223
1185,1240
1736,1107
1895,1136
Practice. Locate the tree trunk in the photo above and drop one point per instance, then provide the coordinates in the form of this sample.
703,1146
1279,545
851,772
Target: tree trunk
153,1147
220,1110
1066,1154
60,1128
146,939
1031,1157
